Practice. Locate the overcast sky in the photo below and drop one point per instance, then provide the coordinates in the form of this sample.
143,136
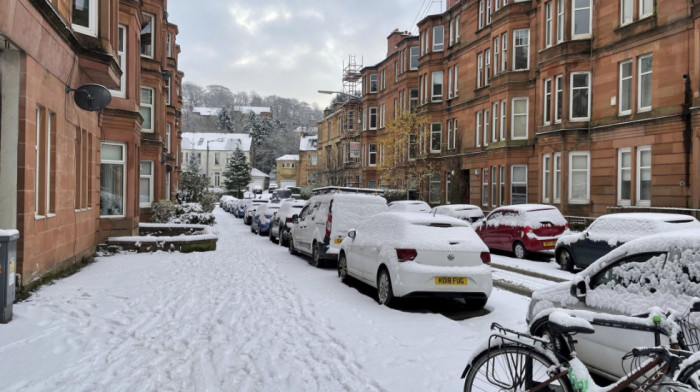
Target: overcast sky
290,48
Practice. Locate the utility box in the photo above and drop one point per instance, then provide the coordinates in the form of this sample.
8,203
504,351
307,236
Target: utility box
8,267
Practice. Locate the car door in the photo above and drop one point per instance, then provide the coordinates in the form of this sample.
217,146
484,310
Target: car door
487,227
367,250
299,230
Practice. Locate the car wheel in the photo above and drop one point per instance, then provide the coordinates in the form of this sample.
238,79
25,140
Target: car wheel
343,268
475,303
272,237
251,229
292,250
316,256
565,260
385,294
519,250
283,240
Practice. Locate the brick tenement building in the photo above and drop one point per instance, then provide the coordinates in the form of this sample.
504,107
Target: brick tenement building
584,107
339,144
68,177
308,159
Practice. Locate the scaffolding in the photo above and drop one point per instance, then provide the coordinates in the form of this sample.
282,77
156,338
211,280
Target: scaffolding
352,77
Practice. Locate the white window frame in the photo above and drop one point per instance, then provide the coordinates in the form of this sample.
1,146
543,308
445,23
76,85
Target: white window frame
150,178
620,170
547,102
494,122
556,178
485,187
456,79
449,134
454,134
504,116
639,168
504,52
168,137
627,11
488,12
546,174
435,181
587,197
121,54
494,185
153,36
449,83
560,21
629,79
502,184
91,28
217,178
575,10
372,154
478,128
641,108
649,12
152,109
487,126
487,66
558,98
413,56
481,14
434,132
364,119
512,118
516,46
168,82
513,183
169,45
479,69
434,97
571,96
496,51
124,175
457,30
548,24
373,113
373,90
438,38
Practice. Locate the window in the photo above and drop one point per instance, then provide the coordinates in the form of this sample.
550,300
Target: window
437,86
351,120
412,146
521,49
373,83
457,29
217,179
45,163
373,118
373,155
438,38
502,179
624,176
364,120
581,25
556,188
558,98
456,67
84,17
626,87
504,55
169,45
518,184
494,186
147,35
579,183
481,14
547,108
383,87
435,137
644,83
487,127
503,119
494,123
413,98
484,187
646,8
147,109
519,119
478,129
146,184
496,48
449,135
449,177
414,58
487,72
434,197
454,133
545,177
479,69
626,11
112,179
382,115
121,57
580,96
548,24
488,12
560,21
644,175
168,136
217,158
449,82
314,159
167,88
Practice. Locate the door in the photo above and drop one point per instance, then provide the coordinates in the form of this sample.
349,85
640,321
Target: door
299,232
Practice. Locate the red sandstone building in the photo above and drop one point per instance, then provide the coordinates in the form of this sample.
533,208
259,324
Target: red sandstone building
69,178
585,105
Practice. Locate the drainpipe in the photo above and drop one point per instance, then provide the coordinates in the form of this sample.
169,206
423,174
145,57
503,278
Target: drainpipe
687,132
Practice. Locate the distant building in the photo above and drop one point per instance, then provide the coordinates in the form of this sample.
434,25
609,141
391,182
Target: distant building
213,151
287,170
308,160
258,178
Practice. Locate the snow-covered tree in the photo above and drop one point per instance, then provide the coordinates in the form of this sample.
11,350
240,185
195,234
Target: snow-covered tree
193,183
237,174
224,121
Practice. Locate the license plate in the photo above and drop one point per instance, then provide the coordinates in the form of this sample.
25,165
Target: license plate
450,280
337,240
549,243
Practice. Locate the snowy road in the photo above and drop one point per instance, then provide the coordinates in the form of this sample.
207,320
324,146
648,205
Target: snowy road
247,317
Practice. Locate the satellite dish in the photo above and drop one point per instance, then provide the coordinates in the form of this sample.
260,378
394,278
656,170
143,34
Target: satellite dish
91,97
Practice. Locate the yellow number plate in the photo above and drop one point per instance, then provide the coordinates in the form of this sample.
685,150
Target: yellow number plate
451,280
549,243
337,240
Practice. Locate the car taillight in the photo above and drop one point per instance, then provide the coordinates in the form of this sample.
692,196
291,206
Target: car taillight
566,226
527,229
406,254
329,223
288,219
486,257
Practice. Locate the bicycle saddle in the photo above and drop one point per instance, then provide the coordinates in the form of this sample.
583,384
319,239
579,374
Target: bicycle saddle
561,323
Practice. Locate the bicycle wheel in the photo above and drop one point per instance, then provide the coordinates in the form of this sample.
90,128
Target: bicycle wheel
691,375
511,368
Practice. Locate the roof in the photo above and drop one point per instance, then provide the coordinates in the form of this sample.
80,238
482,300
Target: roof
528,207
257,173
308,143
306,130
648,216
205,111
288,157
217,141
254,109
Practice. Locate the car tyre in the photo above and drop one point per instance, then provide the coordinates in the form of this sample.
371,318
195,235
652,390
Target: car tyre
475,303
343,268
519,250
292,250
272,237
565,260
385,294
316,256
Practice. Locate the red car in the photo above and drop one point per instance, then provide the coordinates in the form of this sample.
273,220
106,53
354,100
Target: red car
522,228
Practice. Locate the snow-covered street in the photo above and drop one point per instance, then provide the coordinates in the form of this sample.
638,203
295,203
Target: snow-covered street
247,317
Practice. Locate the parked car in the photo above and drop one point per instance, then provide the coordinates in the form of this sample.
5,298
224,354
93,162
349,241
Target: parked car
281,222
465,212
422,255
272,186
241,206
325,220
657,270
261,219
250,210
610,231
409,206
522,228
227,203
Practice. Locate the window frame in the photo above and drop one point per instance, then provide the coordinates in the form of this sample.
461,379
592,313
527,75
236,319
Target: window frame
625,18
371,154
485,187
478,115
435,179
151,106
438,38
546,174
560,20
547,102
504,116
122,162
487,126
373,85
372,117
513,114
638,170
434,85
434,132
622,79
92,28
516,47
587,198
556,178
513,183
548,24
151,183
479,69
640,85
121,54
558,98
168,136
494,120
487,67
642,14
151,51
574,11
620,169
413,56
571,96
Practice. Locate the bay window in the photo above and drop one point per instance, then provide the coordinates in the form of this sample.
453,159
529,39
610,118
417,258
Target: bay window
112,179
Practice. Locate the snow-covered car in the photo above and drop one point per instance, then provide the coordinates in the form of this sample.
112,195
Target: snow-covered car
281,222
465,212
610,231
421,255
261,219
522,228
272,186
409,206
661,270
241,207
325,220
227,203
250,210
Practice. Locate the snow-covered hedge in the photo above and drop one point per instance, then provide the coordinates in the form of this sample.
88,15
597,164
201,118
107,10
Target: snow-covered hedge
199,218
187,213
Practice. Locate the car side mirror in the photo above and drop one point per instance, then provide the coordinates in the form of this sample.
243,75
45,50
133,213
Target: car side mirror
352,234
295,218
586,235
578,290
696,306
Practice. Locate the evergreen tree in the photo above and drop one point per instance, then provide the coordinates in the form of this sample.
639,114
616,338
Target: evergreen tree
193,183
225,120
237,174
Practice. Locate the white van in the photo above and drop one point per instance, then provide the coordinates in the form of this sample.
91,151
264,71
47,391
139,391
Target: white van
325,221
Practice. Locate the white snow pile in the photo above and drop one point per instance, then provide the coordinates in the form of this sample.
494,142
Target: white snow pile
206,233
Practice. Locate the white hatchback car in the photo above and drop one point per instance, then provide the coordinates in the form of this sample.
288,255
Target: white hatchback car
465,212
409,206
415,254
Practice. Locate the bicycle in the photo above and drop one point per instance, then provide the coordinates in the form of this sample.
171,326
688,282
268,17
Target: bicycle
516,361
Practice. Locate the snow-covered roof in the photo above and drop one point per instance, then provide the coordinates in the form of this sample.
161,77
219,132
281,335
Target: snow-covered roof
254,109
217,141
257,173
288,157
306,130
205,111
308,143
527,207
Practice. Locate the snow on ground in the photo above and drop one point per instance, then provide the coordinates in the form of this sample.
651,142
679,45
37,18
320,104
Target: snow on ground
246,317
540,262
